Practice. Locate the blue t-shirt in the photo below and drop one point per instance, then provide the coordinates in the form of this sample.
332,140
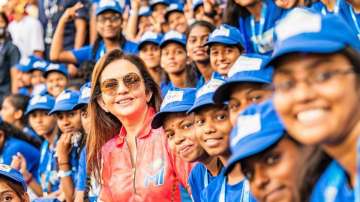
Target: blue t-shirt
332,186
321,8
264,31
199,179
81,174
31,133
86,53
351,17
48,168
31,154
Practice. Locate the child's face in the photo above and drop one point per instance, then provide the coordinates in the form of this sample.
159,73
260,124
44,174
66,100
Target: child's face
55,83
177,22
173,58
223,57
41,122
8,111
37,77
69,121
150,54
10,195
25,78
85,119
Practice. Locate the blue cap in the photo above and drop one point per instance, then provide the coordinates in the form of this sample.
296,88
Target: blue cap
227,35
65,101
40,102
40,65
173,36
249,68
155,2
25,64
205,94
149,37
175,100
257,128
84,98
144,11
174,7
12,174
196,4
52,67
320,34
108,5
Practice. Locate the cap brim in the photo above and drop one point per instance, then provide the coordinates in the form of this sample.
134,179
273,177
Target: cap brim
63,108
254,146
200,103
46,73
14,178
141,44
223,40
159,117
162,45
98,12
79,106
37,108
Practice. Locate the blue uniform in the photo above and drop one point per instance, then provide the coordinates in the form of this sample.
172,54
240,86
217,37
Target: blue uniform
31,133
351,17
263,30
199,179
86,53
332,186
31,154
48,174
321,8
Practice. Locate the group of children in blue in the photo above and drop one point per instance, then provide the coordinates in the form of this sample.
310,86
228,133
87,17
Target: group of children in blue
255,44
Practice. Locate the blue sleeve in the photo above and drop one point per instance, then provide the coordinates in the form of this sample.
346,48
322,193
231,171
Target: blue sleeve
195,181
130,47
82,54
81,175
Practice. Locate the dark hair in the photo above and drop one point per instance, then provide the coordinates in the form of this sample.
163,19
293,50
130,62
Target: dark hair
354,57
6,19
15,186
10,131
233,12
19,102
200,23
102,131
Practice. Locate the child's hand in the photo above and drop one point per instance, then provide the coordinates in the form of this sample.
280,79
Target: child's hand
63,148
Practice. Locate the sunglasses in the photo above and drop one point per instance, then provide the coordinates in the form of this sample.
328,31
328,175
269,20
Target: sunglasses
130,80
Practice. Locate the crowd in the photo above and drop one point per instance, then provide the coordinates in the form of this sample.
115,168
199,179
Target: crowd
180,100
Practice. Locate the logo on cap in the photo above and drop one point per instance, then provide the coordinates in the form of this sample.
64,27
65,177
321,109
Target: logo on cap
222,31
85,93
209,87
63,96
246,125
53,66
38,99
104,3
172,96
5,168
39,64
25,61
244,63
173,35
149,35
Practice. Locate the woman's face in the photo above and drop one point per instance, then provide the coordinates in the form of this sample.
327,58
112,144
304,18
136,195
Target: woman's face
276,174
7,194
108,24
37,77
212,125
243,95
180,132
123,90
195,44
223,57
173,58
177,22
150,54
55,83
245,3
317,97
8,111
69,121
42,123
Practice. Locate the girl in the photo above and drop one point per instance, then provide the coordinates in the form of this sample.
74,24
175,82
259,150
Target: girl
149,52
317,96
175,18
197,36
174,62
180,132
108,25
125,100
249,82
12,185
56,78
37,76
256,20
212,127
226,45
276,166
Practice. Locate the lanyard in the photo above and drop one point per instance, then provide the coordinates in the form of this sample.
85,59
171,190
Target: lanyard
353,16
336,8
206,179
245,192
258,36
357,183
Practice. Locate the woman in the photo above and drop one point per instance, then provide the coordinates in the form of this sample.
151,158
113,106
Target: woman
317,95
197,52
256,20
12,185
134,159
277,167
108,25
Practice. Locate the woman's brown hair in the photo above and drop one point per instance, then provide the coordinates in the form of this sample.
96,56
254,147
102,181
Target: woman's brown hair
103,124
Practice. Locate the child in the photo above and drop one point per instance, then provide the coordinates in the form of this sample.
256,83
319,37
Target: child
56,78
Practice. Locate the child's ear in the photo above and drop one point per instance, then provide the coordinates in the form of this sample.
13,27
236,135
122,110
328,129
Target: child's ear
18,114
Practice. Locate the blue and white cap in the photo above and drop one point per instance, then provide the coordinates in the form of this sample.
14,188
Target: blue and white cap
155,2
149,37
40,65
65,101
173,36
84,98
175,100
108,5
196,4
144,11
320,34
52,67
40,102
12,174
174,7
227,35
248,68
25,64
204,95
257,128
